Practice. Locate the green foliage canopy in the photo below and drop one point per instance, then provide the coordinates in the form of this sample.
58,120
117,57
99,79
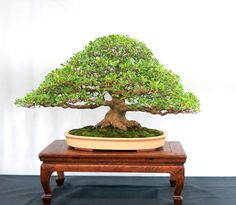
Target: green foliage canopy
121,66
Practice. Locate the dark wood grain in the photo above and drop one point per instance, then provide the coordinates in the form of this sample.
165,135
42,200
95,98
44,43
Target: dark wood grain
58,157
60,178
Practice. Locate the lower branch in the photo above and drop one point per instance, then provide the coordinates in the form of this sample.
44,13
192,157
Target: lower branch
80,106
159,112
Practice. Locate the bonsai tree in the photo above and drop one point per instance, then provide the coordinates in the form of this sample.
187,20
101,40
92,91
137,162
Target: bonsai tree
121,67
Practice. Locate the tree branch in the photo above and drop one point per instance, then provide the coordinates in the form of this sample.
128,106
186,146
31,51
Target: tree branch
120,92
67,105
159,112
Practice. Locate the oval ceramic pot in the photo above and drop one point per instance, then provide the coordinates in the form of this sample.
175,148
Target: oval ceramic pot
108,143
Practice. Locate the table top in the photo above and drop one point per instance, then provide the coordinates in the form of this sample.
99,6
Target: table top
58,149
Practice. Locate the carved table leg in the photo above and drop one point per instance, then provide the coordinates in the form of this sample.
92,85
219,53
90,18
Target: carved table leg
179,177
60,178
172,180
45,175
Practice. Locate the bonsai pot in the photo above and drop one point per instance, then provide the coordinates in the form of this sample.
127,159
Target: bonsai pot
111,143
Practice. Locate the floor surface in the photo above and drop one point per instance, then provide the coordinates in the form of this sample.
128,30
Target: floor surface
116,190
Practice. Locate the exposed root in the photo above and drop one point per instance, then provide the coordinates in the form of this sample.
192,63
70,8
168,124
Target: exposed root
117,120
122,125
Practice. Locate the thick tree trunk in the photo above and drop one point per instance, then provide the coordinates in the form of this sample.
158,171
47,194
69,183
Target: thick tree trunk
115,117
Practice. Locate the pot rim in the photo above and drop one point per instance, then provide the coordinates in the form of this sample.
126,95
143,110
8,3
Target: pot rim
115,138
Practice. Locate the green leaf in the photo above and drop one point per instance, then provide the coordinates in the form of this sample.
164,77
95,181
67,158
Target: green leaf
115,64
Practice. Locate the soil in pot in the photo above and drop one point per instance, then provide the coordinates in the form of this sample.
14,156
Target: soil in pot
136,132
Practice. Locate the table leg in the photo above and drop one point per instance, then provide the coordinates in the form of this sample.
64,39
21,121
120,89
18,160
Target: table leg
60,178
45,175
172,180
179,177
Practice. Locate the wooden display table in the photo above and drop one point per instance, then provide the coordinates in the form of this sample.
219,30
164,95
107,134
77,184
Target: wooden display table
58,157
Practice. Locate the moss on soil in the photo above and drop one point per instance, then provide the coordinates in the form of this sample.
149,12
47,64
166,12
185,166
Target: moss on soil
91,131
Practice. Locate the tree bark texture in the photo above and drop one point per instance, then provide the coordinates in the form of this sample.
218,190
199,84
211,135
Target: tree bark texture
115,117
